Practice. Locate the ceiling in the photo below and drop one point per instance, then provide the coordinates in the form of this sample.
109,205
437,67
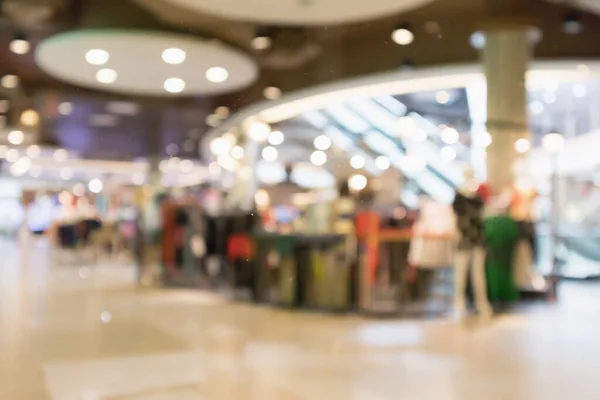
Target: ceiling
313,43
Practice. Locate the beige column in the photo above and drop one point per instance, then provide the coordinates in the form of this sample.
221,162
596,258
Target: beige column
505,58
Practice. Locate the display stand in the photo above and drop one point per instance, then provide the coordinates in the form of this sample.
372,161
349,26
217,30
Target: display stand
309,271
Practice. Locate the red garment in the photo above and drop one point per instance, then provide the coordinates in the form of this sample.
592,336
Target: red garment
484,192
239,246
367,222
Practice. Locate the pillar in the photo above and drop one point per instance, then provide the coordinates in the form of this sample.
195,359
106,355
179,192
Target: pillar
505,59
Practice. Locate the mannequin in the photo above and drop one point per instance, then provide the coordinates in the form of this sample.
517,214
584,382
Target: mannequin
468,210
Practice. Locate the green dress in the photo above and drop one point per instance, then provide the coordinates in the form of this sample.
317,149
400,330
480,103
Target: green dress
501,236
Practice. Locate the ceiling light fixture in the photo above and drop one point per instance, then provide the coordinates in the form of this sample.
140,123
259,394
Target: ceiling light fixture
10,81
174,56
259,131
403,35
522,145
16,137
262,39
65,108
450,135
382,163
212,120
356,183
174,85
477,40
318,158
322,142
272,92
222,112
276,138
97,57
571,24
106,76
270,154
19,45
442,97
30,118
95,186
217,74
357,161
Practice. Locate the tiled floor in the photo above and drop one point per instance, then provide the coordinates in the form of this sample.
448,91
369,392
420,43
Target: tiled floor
69,332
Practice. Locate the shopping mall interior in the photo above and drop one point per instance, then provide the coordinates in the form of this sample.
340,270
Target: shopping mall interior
299,199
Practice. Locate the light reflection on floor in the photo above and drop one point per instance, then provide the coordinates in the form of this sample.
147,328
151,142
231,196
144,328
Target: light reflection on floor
64,336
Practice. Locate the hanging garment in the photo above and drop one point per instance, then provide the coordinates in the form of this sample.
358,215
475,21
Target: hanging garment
469,220
434,234
501,236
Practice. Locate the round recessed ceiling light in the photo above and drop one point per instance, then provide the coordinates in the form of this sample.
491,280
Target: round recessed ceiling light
442,97
174,85
259,131
450,135
270,154
173,56
30,118
222,112
20,46
272,92
522,145
10,81
95,186
16,138
106,75
382,163
97,56
357,161
217,74
356,183
322,142
403,35
65,108
213,120
318,158
276,138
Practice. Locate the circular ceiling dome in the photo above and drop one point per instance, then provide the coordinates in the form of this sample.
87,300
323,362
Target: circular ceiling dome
145,63
302,12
